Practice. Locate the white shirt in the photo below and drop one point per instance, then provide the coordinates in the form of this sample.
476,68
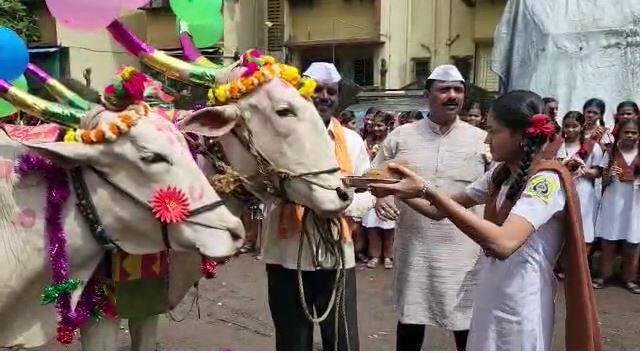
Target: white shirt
284,252
513,304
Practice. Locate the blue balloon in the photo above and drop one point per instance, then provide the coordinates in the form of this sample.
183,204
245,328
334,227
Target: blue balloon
14,55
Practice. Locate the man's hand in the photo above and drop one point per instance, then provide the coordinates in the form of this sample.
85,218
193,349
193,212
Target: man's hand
386,209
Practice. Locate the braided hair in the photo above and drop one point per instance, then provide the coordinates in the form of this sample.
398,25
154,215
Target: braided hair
621,124
579,118
514,110
599,104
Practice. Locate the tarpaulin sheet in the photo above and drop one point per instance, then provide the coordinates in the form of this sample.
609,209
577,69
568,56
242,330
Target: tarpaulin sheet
570,49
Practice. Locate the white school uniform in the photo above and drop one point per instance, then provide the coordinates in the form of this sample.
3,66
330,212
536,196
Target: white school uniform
618,216
585,187
513,303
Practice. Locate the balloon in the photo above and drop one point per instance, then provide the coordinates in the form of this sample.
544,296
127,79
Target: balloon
13,55
134,4
5,107
85,14
196,11
208,33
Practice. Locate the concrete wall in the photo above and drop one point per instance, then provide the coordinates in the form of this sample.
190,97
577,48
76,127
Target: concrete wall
434,29
244,26
332,19
97,51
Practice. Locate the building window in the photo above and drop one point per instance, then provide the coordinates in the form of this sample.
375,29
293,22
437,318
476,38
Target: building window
484,77
422,69
363,72
275,30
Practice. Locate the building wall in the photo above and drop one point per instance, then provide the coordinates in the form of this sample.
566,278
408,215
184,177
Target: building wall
435,30
244,26
97,51
332,19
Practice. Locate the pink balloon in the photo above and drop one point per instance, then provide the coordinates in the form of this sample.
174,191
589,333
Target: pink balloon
84,14
134,4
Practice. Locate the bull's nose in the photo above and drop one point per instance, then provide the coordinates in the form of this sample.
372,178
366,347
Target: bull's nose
343,195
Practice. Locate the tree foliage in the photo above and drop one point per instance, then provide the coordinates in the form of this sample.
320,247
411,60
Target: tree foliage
16,15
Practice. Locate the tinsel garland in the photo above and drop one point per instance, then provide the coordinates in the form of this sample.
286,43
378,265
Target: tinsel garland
92,300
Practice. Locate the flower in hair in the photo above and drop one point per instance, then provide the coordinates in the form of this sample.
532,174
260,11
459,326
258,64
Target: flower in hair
541,125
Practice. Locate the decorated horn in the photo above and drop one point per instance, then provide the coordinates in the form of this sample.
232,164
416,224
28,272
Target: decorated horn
63,94
48,111
158,60
191,52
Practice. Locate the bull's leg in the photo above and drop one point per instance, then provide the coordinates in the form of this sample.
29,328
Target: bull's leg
101,335
144,333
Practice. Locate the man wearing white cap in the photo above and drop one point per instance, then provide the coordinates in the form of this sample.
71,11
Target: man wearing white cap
435,263
294,331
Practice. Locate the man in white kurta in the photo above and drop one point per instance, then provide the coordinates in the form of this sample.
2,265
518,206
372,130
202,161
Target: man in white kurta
435,263
293,329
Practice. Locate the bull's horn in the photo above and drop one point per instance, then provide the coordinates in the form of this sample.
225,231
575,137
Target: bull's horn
158,60
190,51
48,111
63,94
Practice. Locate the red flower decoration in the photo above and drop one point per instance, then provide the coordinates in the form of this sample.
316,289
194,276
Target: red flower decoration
208,267
250,69
541,125
65,334
109,90
170,205
583,152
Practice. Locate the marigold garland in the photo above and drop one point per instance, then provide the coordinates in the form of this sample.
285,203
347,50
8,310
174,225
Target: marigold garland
108,132
258,70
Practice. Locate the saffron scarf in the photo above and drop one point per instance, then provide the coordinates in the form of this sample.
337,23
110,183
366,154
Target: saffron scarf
291,215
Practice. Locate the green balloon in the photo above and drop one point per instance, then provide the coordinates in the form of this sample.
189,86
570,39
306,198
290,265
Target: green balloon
196,11
207,34
6,108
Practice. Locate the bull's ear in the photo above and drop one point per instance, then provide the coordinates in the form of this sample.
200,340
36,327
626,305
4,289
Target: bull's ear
211,121
67,154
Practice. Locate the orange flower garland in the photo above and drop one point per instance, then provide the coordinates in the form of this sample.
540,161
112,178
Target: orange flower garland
110,131
259,70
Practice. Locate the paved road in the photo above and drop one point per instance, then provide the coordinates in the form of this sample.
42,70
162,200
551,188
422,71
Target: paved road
235,315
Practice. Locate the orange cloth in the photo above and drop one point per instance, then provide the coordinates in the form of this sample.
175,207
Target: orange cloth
291,215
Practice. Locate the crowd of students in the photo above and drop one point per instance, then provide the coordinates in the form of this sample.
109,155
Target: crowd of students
605,165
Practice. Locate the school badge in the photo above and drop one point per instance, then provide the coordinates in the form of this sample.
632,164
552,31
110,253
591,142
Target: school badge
542,187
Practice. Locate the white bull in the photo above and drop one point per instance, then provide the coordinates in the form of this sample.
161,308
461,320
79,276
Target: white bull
150,155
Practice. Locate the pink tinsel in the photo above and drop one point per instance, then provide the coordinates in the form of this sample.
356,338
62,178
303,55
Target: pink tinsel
135,86
57,194
208,267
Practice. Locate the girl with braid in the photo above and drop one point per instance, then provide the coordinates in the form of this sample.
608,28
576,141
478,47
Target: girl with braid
531,218
594,125
583,157
619,214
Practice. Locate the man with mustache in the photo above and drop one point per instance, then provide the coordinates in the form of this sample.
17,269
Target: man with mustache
294,331
435,263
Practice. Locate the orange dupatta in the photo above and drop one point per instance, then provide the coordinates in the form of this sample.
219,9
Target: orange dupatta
291,215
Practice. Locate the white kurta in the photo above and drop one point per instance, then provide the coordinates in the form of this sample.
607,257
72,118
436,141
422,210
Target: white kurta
284,252
618,216
435,263
585,187
514,303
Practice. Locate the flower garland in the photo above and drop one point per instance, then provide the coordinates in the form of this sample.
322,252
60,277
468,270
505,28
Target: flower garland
92,301
108,132
258,70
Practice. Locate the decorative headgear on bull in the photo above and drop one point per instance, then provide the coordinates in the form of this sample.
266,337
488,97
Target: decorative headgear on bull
257,69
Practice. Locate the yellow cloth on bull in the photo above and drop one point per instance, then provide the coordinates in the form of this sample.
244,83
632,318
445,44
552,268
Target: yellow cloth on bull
291,215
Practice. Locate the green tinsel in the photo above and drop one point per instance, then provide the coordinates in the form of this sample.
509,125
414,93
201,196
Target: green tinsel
97,313
53,291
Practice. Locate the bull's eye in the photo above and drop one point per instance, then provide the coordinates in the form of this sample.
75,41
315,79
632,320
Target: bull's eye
153,158
285,112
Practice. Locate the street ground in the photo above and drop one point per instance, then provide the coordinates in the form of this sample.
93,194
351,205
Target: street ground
234,315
